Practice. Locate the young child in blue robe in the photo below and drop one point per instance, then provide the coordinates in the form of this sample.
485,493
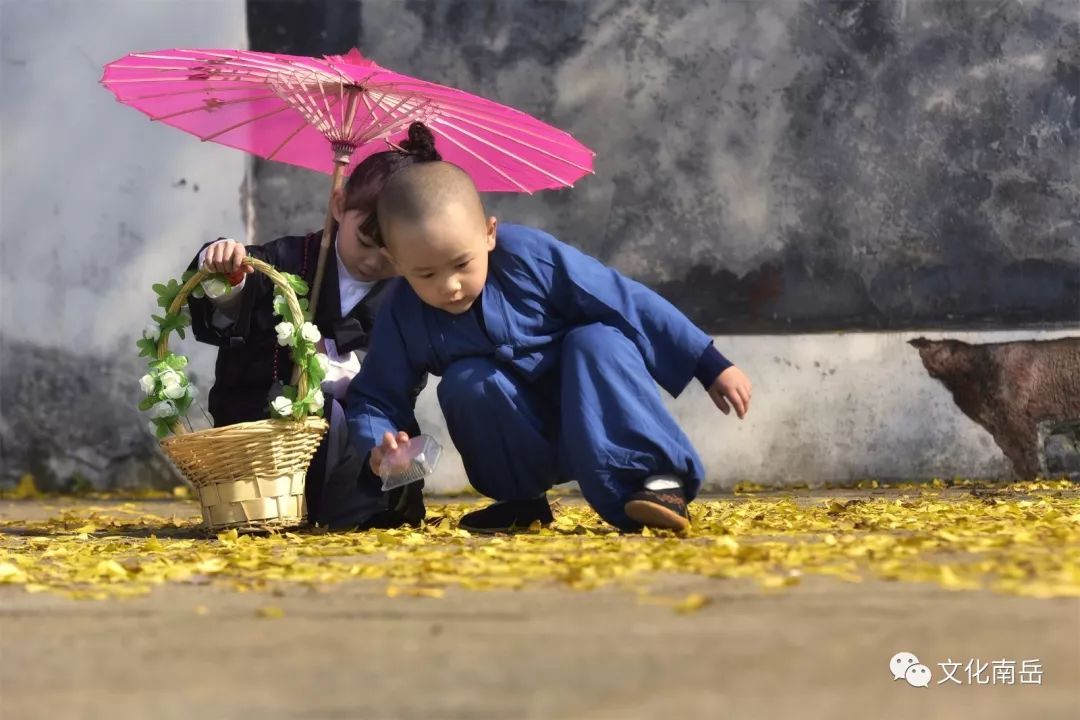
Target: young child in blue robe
549,363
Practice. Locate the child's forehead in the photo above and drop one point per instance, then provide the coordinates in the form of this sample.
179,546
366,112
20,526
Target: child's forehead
438,242
451,223
443,240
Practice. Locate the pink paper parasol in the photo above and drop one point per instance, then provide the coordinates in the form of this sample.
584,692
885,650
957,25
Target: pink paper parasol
325,113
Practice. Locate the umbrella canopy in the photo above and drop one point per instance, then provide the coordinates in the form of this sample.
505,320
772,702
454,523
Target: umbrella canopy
323,113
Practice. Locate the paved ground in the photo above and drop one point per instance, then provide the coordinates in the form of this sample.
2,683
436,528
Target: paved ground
819,650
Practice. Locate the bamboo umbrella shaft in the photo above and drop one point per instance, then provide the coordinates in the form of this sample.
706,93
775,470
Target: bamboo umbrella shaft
328,226
324,246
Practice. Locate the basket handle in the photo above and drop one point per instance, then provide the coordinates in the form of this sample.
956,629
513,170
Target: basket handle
279,281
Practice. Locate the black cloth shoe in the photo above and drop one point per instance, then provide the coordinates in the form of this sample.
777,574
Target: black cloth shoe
409,503
405,507
660,509
507,516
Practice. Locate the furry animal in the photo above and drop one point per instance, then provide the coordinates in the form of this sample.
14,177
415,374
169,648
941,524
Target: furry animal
1010,388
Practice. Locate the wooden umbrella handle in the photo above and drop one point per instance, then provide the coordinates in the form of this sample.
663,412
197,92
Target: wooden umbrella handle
324,246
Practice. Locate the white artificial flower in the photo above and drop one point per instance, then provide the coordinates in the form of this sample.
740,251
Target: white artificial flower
162,410
152,427
147,383
192,392
216,287
324,362
170,379
282,406
309,332
286,334
315,404
152,331
175,392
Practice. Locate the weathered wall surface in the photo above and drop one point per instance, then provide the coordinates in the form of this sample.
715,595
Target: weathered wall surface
98,203
770,166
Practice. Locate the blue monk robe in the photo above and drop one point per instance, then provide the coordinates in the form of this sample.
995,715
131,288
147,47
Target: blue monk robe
548,377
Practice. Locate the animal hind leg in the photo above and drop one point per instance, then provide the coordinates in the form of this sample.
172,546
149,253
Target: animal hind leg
1020,444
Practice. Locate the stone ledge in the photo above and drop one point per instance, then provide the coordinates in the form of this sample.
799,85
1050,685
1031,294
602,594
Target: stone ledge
1059,449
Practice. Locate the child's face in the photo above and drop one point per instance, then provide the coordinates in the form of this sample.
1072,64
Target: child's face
361,256
444,259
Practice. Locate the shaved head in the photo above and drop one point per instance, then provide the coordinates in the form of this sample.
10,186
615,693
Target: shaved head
432,228
424,193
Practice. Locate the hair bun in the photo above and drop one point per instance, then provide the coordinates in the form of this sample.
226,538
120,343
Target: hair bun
421,143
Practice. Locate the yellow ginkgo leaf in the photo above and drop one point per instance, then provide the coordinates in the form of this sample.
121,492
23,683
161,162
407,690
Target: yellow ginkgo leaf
11,573
270,611
692,603
26,489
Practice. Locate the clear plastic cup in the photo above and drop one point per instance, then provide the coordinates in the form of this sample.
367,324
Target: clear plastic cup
410,462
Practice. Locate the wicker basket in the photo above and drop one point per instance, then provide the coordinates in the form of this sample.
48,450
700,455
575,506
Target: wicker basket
249,475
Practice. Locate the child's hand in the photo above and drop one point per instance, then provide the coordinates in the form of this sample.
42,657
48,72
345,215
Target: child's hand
227,257
732,386
389,446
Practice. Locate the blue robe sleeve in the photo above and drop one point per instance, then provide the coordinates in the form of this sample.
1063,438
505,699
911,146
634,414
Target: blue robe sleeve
585,291
381,398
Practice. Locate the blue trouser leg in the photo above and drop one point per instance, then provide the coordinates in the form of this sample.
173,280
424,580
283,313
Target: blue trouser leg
616,430
497,422
607,427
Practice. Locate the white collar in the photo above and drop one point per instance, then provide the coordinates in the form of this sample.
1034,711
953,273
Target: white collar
350,289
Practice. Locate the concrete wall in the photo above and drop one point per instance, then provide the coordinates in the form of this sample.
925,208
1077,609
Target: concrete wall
98,203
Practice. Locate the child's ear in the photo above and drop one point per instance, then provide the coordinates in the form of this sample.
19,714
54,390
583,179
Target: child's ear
492,227
337,205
